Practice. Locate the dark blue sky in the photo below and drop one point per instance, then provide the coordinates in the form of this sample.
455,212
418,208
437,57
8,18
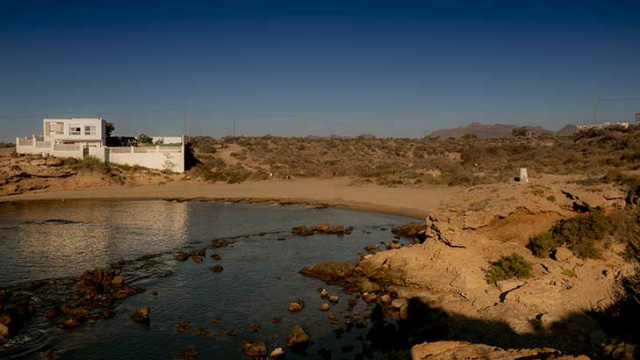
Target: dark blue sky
396,68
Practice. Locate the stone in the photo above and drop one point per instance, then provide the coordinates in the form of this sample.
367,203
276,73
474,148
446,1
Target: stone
141,316
232,333
190,353
297,337
385,298
216,257
183,326
398,303
4,331
255,328
275,320
276,353
196,258
372,247
369,297
444,350
324,294
117,280
296,306
202,332
367,286
216,320
216,268
324,307
256,349
219,243
182,256
69,324
334,299
331,271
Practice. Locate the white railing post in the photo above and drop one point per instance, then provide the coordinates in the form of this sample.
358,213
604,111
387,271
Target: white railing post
157,149
132,149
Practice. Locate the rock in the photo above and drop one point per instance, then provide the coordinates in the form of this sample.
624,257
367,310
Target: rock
51,313
141,316
324,307
442,350
301,231
324,294
117,281
369,297
190,353
254,349
275,320
297,337
196,258
216,257
219,243
4,331
372,247
255,328
216,320
332,271
202,332
216,268
410,230
385,298
182,256
232,333
107,314
400,302
183,326
69,324
49,354
296,306
276,353
367,286
333,299
321,229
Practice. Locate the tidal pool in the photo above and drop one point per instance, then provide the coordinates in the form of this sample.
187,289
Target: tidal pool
60,240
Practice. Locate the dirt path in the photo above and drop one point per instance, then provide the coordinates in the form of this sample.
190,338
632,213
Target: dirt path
334,192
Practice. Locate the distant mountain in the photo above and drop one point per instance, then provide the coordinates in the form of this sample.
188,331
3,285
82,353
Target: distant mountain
486,131
567,130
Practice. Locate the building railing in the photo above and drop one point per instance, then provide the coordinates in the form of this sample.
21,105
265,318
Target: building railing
25,142
66,147
155,149
43,144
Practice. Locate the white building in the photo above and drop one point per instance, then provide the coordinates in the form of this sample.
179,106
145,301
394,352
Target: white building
607,125
82,137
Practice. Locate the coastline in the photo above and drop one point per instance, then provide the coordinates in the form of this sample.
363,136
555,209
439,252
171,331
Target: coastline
336,193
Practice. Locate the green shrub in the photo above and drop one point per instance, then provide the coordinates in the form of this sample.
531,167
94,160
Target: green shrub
569,272
542,245
508,267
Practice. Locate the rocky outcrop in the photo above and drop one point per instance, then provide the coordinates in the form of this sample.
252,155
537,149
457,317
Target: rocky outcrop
446,350
330,272
256,349
13,316
141,316
321,229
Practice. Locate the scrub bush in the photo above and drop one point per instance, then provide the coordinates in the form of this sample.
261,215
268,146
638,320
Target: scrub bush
508,267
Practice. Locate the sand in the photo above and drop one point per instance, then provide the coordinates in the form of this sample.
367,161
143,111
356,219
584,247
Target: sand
411,202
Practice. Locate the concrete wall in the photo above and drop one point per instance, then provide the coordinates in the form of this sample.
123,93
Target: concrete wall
163,160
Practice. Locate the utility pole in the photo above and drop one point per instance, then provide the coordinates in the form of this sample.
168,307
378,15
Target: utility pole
597,112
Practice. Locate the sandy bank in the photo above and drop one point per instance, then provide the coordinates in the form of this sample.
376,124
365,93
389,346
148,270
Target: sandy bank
412,202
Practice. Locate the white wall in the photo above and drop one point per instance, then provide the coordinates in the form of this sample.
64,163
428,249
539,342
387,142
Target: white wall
100,125
173,161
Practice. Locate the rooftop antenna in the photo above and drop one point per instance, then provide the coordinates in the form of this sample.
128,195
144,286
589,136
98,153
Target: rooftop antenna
188,121
234,125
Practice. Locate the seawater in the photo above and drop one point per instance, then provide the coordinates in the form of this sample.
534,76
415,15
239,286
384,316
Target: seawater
59,240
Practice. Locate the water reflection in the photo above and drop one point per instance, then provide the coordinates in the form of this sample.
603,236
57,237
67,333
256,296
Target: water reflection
94,234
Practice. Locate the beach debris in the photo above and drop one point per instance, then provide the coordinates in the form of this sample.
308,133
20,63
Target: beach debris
256,349
296,306
297,337
141,316
324,293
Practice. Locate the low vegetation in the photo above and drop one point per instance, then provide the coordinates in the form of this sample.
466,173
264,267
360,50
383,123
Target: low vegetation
4,145
463,161
508,267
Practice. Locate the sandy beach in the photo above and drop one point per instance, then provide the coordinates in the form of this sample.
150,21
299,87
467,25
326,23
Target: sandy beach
332,192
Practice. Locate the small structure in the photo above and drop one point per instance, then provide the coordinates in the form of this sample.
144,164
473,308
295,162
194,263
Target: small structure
83,137
607,125
524,177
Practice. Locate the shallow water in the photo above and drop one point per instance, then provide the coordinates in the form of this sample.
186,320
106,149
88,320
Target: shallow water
62,239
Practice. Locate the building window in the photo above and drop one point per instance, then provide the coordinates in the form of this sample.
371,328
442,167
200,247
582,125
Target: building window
90,130
75,130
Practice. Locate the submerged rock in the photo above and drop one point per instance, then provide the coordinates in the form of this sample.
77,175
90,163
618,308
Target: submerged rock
202,332
183,326
297,337
275,320
255,328
190,353
13,317
333,299
324,294
141,316
216,268
331,271
324,307
254,349
321,229
216,257
219,243
216,320
182,256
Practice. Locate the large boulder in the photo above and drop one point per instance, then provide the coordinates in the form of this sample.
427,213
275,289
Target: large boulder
141,316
